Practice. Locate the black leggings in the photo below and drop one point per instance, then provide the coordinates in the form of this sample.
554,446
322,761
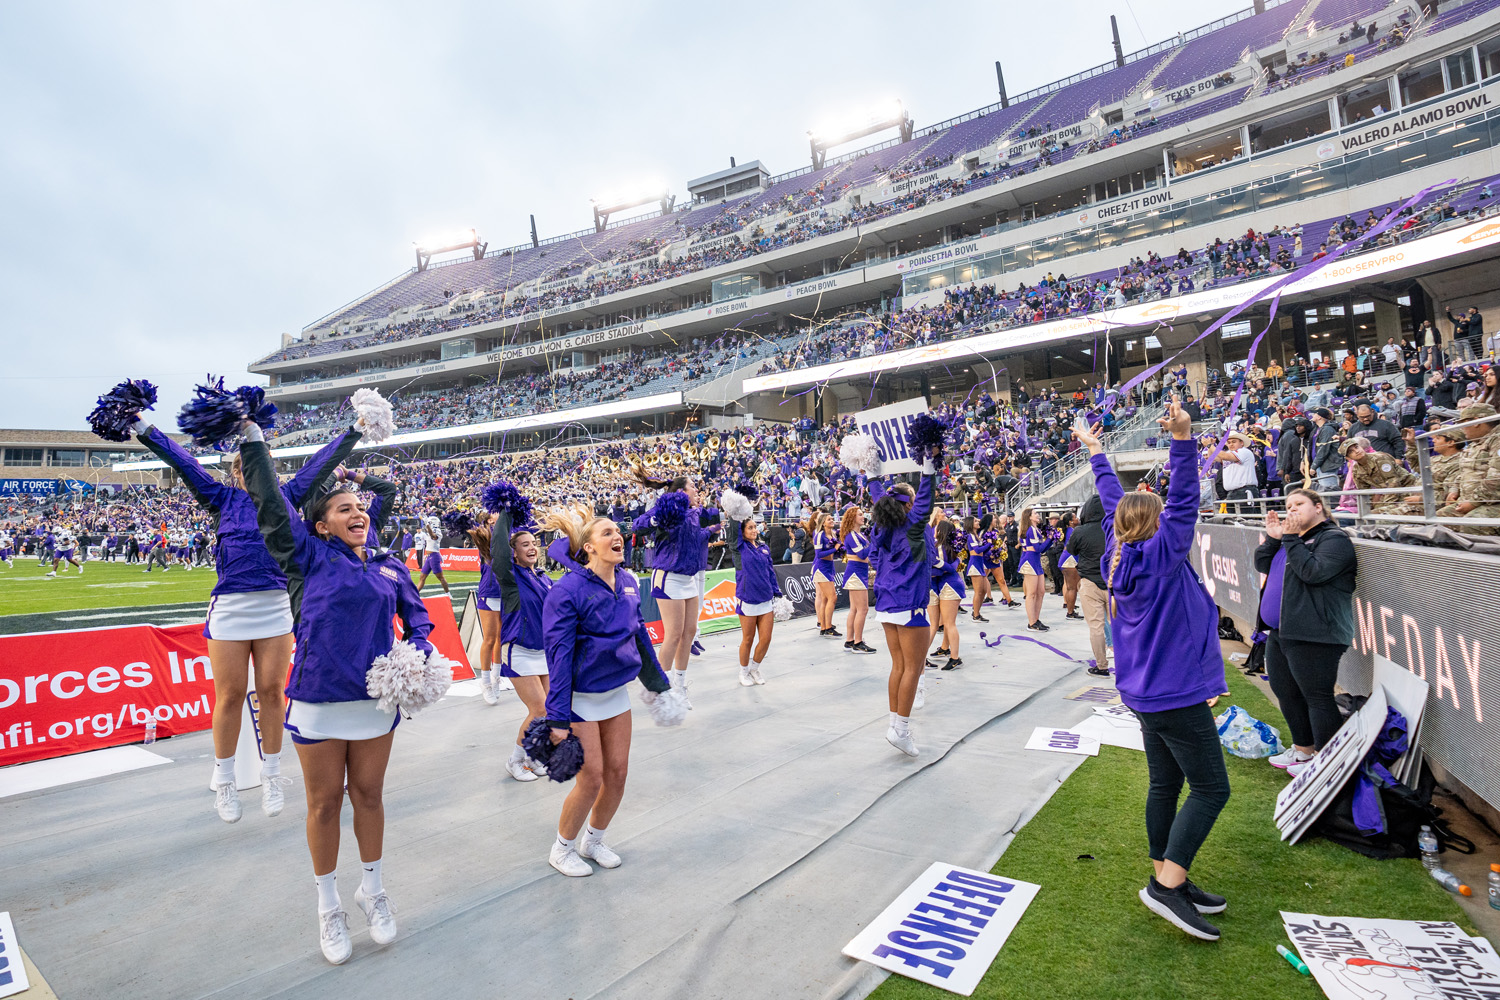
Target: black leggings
1302,675
1182,743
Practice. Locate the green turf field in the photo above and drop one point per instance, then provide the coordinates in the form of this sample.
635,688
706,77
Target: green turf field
25,590
1088,935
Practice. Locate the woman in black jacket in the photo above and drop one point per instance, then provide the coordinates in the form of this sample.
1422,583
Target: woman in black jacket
1307,607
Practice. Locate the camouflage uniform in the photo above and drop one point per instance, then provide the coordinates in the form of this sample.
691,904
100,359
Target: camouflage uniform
1380,471
1479,476
1444,470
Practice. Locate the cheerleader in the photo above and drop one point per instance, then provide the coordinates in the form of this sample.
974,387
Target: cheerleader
1168,667
487,604
947,592
978,542
345,594
596,643
523,589
995,559
856,577
1034,541
7,548
681,554
900,543
1069,564
755,585
429,549
825,546
249,618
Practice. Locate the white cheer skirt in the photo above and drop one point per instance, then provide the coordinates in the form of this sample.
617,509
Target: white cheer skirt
259,614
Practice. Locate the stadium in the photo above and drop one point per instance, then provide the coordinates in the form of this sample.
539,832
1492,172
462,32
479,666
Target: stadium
1253,257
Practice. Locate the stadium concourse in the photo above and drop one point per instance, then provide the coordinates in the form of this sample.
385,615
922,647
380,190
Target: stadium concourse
759,837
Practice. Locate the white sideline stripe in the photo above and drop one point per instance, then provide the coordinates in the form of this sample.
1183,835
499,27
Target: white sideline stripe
109,614
19,778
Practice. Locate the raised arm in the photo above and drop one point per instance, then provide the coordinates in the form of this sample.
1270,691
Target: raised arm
921,508
501,566
708,516
207,490
280,523
322,464
559,639
734,536
1181,512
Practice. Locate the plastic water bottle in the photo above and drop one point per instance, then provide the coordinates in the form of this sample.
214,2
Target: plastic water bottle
151,732
1494,887
1450,881
1427,843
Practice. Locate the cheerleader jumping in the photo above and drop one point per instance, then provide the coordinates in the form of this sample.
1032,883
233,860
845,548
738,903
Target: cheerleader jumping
1034,540
1168,668
596,643
345,595
681,555
856,578
249,614
900,543
755,584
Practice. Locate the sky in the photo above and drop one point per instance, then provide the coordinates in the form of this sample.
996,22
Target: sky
180,184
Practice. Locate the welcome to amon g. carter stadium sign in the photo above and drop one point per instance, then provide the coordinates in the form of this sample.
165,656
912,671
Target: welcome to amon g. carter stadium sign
1433,611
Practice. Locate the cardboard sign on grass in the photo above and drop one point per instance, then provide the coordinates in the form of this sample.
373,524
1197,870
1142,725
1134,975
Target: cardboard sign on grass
1361,958
1407,694
1062,741
946,927
1302,801
12,969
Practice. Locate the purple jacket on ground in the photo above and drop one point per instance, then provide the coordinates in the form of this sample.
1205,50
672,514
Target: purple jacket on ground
1166,627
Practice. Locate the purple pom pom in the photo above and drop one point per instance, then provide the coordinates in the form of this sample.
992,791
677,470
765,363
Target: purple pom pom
746,489
214,414
118,408
458,521
924,438
538,741
566,760
503,496
671,510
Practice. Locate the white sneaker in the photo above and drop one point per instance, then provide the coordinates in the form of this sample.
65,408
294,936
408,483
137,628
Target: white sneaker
53,573
1293,770
921,698
536,767
504,684
333,936
380,913
755,675
567,861
490,697
272,798
519,770
1288,757
901,741
683,687
227,802
746,679
596,851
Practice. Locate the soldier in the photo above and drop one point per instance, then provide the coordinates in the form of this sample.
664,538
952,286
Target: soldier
1446,443
1377,470
1478,493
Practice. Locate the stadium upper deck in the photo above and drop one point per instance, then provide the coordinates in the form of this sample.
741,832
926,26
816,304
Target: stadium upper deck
1179,123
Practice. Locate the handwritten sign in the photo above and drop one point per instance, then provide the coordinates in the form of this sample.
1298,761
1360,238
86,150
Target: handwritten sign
1358,958
946,927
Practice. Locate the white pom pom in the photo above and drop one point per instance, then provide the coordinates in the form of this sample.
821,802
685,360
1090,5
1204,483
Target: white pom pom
407,678
376,420
669,708
736,506
782,608
859,453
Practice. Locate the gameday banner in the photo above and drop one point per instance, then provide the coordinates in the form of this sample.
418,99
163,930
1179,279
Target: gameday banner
715,614
67,692
888,426
463,560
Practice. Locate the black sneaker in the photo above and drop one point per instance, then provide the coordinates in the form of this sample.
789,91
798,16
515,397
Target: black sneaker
834,633
1074,615
940,627
953,663
981,619
1037,626
941,652
1206,902
1099,671
1176,907
848,645
862,647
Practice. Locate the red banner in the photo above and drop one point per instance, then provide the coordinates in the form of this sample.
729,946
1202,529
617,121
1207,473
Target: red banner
464,560
67,692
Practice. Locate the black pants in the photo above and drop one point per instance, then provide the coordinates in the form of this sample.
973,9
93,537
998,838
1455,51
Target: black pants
1302,675
1182,743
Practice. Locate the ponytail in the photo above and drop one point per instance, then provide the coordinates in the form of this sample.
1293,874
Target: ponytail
576,522
638,473
1109,578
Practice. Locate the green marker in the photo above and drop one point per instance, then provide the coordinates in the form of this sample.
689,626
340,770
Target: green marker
1291,957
